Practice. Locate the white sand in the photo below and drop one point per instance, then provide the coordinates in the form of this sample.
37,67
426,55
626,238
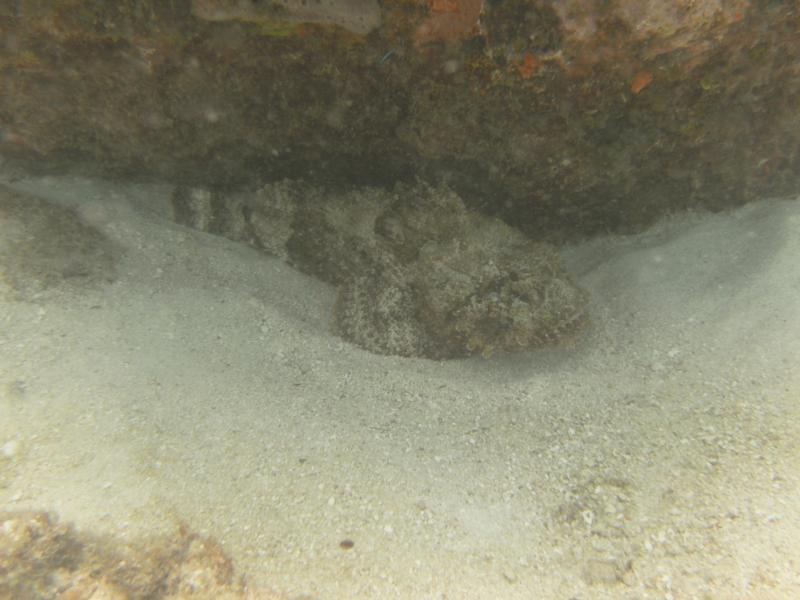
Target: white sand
656,456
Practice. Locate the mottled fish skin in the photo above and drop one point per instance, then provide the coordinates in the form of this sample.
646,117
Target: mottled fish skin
417,273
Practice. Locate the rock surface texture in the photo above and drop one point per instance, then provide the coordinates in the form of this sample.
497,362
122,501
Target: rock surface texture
358,16
565,118
41,559
418,274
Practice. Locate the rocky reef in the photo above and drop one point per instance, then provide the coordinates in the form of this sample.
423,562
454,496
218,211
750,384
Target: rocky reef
417,273
565,118
42,559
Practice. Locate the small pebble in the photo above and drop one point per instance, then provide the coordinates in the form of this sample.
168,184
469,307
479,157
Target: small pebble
601,572
10,449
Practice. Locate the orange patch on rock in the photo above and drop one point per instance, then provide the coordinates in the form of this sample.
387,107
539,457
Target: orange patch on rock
529,66
640,81
450,20
443,6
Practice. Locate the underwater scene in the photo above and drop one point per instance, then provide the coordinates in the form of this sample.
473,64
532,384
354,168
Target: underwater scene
399,299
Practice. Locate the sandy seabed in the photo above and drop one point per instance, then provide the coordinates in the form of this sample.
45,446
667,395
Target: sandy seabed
657,455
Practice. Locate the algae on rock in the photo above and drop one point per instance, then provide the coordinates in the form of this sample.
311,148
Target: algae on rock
357,16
